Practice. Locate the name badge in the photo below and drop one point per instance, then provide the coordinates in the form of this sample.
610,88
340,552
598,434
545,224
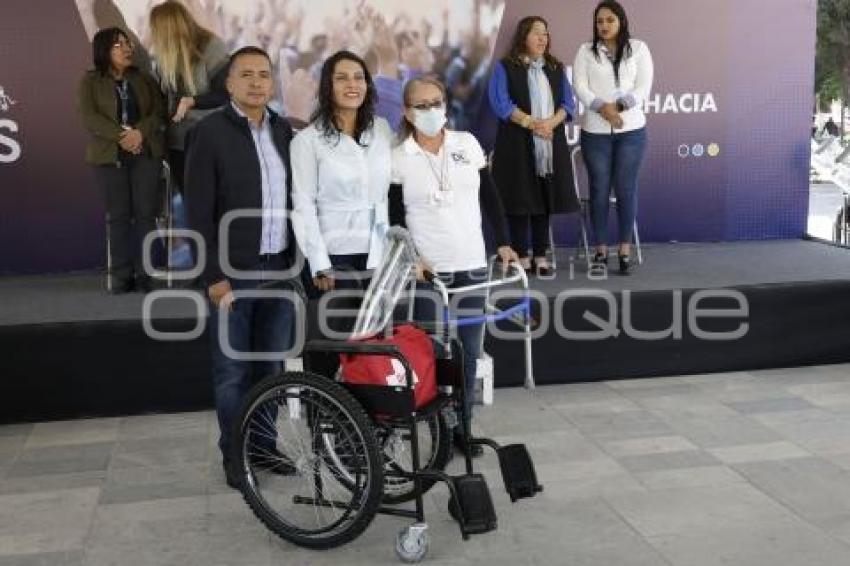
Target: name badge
459,156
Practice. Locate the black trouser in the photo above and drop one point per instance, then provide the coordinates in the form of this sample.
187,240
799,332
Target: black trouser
350,275
539,233
131,194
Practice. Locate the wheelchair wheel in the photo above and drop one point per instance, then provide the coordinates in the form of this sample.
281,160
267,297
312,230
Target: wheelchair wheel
435,451
307,459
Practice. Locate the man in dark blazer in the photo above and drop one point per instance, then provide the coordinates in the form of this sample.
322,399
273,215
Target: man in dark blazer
238,186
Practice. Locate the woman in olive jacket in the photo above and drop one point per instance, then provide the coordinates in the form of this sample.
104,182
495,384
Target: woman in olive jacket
122,109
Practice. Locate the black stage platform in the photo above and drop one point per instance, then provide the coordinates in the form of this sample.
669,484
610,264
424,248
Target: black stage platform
67,349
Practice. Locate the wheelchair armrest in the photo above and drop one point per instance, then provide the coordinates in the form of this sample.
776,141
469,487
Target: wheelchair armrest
336,347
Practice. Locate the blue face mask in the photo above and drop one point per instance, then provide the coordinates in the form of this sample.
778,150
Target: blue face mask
430,122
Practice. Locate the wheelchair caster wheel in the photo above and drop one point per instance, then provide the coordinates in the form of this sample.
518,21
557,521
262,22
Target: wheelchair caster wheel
411,544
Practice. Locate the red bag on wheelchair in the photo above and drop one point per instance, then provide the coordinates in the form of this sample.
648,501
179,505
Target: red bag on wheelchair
417,348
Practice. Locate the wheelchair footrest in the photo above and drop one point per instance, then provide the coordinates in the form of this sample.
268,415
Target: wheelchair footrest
518,472
473,509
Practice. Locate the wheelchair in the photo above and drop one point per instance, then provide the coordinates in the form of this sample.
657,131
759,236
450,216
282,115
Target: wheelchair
317,458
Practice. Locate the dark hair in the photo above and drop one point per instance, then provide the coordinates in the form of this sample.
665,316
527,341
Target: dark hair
516,52
406,129
323,116
101,48
624,48
247,50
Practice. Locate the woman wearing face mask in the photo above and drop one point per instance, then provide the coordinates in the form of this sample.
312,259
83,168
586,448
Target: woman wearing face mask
341,174
440,184
613,77
121,108
532,97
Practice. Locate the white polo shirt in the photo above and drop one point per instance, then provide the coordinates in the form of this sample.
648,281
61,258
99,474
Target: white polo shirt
339,194
445,224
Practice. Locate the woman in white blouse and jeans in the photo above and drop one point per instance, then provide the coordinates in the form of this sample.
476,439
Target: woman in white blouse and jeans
341,175
612,77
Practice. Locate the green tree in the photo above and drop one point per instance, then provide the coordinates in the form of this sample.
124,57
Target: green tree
832,68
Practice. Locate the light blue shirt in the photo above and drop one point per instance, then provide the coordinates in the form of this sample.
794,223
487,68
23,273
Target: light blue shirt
273,175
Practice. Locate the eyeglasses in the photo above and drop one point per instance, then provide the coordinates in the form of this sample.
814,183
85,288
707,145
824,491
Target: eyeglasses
122,44
428,105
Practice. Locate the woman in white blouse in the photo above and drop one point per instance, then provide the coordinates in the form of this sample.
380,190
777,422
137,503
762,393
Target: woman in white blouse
341,175
612,77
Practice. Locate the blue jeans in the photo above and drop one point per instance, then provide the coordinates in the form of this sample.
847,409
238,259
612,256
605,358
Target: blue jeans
469,304
613,160
254,325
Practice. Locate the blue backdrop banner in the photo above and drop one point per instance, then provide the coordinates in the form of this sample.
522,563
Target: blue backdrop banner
728,120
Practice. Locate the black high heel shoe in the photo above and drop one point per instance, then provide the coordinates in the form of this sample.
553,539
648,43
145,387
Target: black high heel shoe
625,264
599,263
542,268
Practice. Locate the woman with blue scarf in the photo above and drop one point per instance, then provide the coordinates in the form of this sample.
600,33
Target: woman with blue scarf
532,97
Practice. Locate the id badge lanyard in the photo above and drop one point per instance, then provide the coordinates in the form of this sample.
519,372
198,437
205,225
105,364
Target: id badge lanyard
123,94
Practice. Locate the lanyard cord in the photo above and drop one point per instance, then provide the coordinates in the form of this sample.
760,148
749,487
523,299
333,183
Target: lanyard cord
443,176
124,96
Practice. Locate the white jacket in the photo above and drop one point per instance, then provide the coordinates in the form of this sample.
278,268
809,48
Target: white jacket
339,194
593,79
